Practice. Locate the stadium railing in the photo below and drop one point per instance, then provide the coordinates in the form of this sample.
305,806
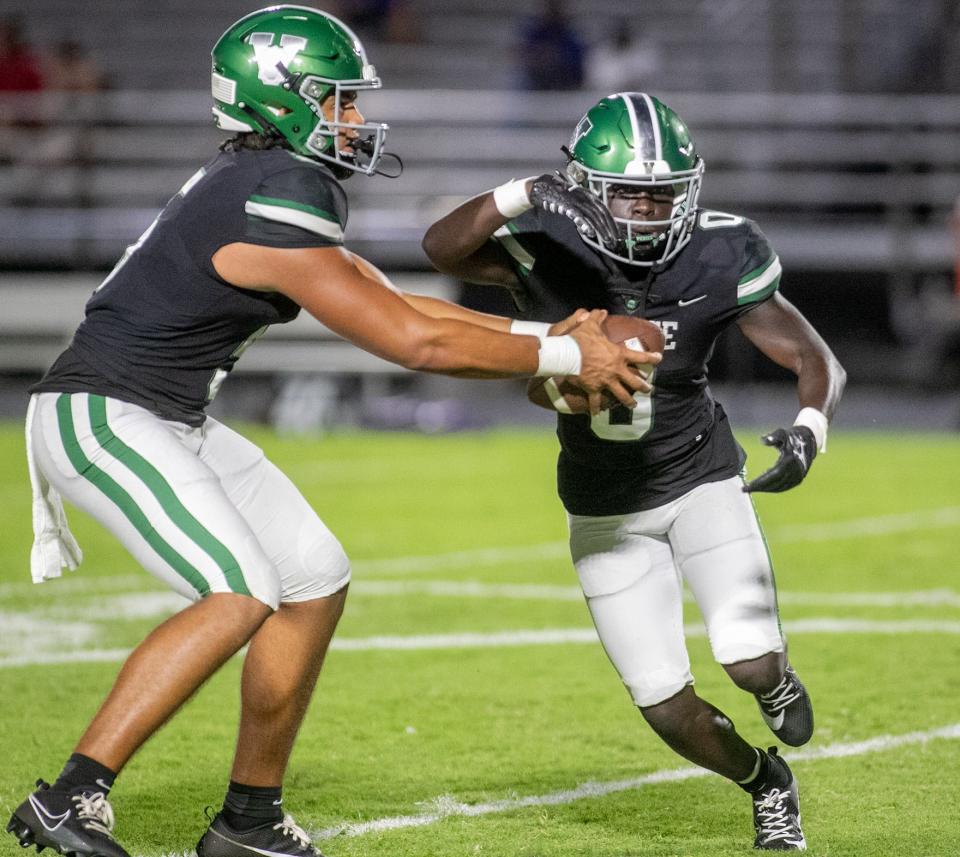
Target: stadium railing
838,181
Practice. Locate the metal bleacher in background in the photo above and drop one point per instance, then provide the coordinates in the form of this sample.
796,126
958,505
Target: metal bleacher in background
857,183
861,183
849,182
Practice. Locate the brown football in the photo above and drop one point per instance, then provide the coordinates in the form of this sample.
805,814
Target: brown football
623,328
636,333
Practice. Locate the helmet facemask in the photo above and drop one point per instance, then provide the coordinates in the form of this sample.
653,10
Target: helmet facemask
322,142
646,242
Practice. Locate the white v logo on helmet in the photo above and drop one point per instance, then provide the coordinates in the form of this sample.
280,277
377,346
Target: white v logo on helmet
269,54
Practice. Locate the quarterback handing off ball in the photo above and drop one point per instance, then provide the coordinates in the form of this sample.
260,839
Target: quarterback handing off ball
560,394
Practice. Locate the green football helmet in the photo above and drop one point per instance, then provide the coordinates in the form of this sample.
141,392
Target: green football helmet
274,68
634,139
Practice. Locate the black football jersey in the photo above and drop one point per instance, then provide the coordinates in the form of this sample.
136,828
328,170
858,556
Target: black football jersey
624,461
163,329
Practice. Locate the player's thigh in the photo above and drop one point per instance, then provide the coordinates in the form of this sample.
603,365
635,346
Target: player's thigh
720,550
309,560
634,594
141,478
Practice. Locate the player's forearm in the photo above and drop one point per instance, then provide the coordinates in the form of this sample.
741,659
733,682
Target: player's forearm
437,308
820,382
462,232
455,347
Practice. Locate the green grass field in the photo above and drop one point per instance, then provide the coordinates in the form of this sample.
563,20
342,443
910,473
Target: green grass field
451,745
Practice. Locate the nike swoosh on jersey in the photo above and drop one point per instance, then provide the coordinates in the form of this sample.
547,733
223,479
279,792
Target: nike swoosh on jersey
682,302
40,811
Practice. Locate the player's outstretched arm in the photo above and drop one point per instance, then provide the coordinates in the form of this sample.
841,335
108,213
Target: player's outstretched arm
437,307
458,243
781,332
329,284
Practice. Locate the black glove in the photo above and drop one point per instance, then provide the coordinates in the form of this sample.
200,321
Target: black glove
798,448
551,193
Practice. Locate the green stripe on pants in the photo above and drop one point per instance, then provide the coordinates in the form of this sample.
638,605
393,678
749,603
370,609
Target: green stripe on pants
93,474
166,497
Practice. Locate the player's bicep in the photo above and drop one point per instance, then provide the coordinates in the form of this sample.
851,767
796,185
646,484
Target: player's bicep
489,265
780,331
327,283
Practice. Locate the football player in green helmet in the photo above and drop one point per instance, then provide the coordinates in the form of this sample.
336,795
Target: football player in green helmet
626,148
118,424
656,495
293,73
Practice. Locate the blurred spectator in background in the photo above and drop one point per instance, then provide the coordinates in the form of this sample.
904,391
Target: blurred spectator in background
70,68
551,51
385,20
622,61
19,66
53,130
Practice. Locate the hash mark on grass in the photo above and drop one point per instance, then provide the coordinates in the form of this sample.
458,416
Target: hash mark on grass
447,806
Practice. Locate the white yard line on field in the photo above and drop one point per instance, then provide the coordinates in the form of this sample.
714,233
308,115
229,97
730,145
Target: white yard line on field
447,806
145,604
879,525
500,639
548,592
463,559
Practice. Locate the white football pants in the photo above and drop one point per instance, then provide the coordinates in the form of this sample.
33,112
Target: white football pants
631,568
202,508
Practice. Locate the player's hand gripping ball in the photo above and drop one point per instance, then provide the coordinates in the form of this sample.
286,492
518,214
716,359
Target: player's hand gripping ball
565,396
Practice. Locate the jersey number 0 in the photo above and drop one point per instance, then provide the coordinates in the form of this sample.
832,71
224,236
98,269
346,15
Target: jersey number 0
623,423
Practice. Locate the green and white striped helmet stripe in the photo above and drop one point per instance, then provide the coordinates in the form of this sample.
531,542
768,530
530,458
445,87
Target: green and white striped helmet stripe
647,140
647,135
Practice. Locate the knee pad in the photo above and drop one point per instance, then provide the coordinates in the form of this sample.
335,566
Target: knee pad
323,567
656,687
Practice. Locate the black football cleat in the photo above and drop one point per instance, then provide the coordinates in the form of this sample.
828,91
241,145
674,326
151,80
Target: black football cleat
78,823
787,710
281,838
776,809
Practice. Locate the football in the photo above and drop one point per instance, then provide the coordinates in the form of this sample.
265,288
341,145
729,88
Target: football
624,328
565,396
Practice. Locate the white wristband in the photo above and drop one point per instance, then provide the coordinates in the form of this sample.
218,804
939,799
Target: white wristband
512,199
817,423
559,355
539,329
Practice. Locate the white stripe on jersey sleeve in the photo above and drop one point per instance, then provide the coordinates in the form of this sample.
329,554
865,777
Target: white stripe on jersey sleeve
295,217
519,253
759,283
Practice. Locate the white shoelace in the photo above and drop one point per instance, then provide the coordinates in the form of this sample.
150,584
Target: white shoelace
290,828
95,812
772,817
781,696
